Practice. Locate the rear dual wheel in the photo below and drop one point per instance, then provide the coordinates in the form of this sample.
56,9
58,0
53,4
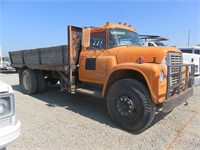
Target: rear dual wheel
129,105
29,81
32,81
40,81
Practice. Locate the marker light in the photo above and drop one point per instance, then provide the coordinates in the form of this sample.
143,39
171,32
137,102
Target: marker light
141,59
107,23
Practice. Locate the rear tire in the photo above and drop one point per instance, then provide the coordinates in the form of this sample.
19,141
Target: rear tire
29,81
40,81
129,105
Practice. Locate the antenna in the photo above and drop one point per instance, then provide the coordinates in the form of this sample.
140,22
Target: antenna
1,61
189,38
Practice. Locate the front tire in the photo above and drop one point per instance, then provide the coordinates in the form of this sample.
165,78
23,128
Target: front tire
129,105
29,81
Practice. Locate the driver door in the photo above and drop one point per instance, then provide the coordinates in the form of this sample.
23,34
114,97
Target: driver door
92,61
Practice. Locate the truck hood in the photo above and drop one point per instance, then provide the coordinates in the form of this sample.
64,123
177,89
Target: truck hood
5,88
127,54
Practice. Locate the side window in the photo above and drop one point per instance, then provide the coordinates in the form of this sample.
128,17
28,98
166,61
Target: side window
197,51
186,50
150,44
113,40
97,40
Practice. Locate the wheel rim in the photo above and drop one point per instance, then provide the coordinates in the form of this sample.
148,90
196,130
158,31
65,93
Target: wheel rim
125,107
26,81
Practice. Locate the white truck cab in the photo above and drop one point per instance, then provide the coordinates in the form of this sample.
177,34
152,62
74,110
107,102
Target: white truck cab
9,126
152,40
191,54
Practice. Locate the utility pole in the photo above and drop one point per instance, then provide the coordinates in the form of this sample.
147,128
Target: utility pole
189,38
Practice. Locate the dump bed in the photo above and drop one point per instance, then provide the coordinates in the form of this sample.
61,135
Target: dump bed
50,58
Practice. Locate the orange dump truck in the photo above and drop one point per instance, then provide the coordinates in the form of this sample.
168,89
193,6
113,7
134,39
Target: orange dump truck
109,62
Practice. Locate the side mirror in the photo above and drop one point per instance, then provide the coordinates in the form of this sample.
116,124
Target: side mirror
86,37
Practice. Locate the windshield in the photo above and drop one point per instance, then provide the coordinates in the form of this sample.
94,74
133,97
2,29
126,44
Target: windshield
159,44
120,37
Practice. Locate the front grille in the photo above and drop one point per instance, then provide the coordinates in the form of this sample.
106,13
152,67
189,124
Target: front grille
179,76
175,59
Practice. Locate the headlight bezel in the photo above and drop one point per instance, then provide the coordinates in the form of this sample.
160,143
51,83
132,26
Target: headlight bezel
166,61
9,98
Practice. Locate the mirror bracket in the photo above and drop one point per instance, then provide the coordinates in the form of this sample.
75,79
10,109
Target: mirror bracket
86,37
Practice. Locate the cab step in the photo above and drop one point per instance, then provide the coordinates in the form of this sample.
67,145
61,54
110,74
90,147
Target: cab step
96,94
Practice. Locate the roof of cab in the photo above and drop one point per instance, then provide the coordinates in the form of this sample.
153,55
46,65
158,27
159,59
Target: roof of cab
120,25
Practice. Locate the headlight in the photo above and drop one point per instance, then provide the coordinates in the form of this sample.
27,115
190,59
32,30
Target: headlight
6,105
161,76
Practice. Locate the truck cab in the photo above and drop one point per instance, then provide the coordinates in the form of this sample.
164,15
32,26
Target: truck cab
6,65
9,125
191,54
115,58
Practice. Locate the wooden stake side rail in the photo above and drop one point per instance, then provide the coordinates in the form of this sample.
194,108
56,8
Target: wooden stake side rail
50,58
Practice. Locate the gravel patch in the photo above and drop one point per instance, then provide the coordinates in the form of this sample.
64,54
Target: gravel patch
54,120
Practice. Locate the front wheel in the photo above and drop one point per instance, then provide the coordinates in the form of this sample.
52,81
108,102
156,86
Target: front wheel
129,105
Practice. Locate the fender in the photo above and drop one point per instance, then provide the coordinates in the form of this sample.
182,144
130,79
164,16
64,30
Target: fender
149,71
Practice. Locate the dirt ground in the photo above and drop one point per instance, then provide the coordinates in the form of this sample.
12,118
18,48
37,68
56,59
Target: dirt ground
54,120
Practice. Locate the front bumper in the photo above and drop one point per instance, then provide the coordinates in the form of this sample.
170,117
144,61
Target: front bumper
9,134
173,102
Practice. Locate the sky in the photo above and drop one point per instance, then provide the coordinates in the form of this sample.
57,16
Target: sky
27,24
